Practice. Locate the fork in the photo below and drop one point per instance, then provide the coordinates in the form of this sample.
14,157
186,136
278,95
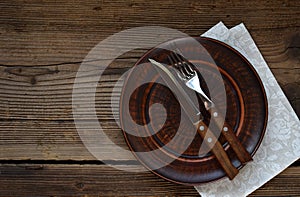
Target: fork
188,74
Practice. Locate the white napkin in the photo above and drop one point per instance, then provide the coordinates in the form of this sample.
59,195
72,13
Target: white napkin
281,144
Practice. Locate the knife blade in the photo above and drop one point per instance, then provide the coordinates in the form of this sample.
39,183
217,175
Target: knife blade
184,99
194,115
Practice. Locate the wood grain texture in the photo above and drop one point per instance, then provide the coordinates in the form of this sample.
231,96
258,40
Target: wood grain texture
100,180
42,44
80,180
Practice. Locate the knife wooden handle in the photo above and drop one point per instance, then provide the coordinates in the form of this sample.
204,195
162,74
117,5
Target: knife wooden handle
227,131
217,149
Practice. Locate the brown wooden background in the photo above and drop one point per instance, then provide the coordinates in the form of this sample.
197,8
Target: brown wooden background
43,42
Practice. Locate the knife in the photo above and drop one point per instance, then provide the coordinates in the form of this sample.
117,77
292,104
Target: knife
194,114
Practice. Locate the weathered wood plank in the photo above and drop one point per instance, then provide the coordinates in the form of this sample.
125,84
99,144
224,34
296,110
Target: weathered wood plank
50,140
41,33
50,97
74,180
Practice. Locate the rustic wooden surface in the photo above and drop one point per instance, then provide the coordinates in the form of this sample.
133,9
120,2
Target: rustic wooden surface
42,46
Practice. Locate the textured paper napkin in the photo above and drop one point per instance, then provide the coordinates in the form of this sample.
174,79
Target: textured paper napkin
281,144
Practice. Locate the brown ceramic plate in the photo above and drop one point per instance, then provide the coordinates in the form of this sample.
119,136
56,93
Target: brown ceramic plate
246,107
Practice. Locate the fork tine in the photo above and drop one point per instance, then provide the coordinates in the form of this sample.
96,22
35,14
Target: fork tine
172,60
184,63
178,56
177,60
186,70
188,67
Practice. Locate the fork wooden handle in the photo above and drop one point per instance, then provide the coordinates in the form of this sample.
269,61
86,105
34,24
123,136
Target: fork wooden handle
217,149
227,131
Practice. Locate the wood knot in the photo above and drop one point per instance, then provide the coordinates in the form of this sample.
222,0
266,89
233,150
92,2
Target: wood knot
79,186
295,40
30,72
294,46
33,80
34,167
98,8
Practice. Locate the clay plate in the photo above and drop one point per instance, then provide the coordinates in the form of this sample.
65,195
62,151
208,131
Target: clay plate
246,107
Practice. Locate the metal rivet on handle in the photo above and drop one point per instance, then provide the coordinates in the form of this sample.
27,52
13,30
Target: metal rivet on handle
209,139
201,128
225,128
215,114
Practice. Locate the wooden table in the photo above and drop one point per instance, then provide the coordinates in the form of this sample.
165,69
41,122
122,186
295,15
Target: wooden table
42,46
